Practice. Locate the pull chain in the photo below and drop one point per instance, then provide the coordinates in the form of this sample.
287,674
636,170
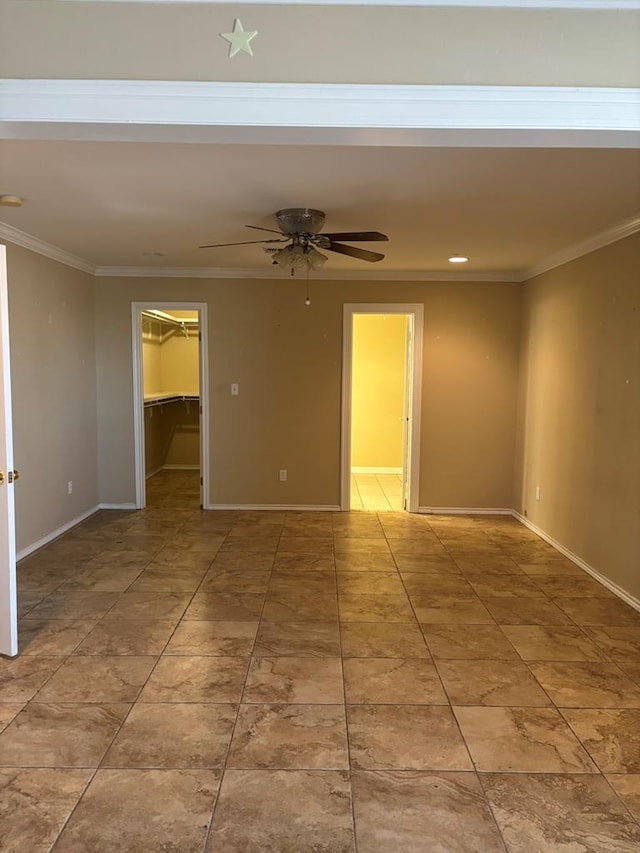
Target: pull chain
307,301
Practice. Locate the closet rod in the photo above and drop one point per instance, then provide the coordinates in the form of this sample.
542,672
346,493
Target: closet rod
160,317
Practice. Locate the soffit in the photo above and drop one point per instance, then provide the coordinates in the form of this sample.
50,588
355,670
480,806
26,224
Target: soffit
356,44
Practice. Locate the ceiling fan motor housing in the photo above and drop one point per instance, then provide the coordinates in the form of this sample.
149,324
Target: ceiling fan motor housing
300,220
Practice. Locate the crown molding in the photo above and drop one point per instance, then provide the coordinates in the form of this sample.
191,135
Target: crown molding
598,241
479,4
283,275
319,113
40,247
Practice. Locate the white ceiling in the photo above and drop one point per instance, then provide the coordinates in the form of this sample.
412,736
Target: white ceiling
111,203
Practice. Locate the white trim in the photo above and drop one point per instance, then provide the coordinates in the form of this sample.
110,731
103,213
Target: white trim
364,469
139,460
119,110
27,241
416,311
205,423
8,581
277,507
180,468
270,272
609,584
611,235
55,534
138,393
463,510
124,506
476,4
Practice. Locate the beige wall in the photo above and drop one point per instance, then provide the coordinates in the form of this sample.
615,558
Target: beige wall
170,364
171,436
286,358
430,45
579,419
154,449
377,390
181,424
179,364
51,318
151,367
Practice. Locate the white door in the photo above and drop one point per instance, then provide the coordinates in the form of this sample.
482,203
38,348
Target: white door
8,590
407,415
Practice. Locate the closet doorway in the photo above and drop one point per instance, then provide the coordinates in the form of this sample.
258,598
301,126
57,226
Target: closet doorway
382,366
170,382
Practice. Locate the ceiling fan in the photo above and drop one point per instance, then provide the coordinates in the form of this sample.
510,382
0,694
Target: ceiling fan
299,228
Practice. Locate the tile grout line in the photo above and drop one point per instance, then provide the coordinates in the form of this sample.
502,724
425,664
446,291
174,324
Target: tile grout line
223,766
352,812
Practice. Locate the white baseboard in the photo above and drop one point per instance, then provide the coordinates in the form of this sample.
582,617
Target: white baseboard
462,510
276,507
155,471
117,506
364,469
609,584
34,546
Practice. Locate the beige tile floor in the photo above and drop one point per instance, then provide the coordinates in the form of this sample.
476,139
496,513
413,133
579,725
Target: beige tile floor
376,492
288,682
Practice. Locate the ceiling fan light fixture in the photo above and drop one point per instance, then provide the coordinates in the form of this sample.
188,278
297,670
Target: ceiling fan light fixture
315,259
291,257
299,257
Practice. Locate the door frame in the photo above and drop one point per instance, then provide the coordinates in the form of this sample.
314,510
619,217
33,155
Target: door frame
8,578
138,392
416,314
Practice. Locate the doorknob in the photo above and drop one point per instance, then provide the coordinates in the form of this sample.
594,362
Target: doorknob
1,477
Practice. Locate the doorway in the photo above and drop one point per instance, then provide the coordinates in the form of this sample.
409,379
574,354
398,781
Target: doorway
382,369
170,404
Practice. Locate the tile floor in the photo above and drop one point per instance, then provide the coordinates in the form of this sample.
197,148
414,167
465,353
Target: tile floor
288,682
376,492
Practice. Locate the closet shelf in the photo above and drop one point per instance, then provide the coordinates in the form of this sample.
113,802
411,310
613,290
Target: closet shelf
164,399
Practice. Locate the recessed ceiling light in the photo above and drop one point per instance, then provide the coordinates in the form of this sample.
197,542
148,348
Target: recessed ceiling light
458,259
11,200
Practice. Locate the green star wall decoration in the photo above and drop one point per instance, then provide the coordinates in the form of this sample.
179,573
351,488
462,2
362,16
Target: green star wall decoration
239,39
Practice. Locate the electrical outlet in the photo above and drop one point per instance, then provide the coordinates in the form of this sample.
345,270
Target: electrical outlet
283,475
70,487
235,390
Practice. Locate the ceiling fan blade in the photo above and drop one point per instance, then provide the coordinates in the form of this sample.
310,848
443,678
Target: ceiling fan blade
259,228
357,236
243,243
354,252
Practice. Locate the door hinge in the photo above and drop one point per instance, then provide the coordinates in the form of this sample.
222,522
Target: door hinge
201,481
199,336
